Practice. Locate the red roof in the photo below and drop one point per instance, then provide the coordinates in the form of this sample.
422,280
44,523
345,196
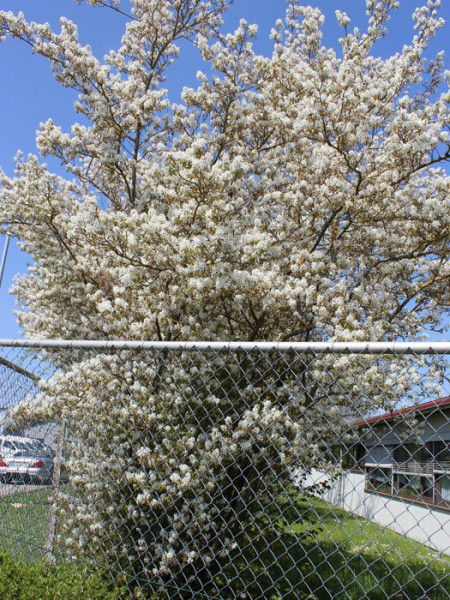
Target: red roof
426,406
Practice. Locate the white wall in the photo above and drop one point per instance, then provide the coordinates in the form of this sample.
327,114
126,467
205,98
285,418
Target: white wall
427,525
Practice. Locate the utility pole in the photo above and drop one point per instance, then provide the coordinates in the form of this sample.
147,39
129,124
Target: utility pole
4,255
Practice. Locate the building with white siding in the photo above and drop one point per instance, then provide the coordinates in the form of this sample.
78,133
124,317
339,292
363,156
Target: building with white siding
400,476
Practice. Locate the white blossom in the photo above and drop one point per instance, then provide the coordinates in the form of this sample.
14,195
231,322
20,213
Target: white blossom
297,197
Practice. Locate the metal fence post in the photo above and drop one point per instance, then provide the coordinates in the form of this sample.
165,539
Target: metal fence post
56,484
4,255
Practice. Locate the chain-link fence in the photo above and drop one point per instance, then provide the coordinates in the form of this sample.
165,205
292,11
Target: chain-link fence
209,470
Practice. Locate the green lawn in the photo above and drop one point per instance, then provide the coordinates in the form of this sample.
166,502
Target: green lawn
301,549
23,518
312,550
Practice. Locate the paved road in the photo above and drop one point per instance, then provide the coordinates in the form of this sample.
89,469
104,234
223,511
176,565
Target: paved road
11,489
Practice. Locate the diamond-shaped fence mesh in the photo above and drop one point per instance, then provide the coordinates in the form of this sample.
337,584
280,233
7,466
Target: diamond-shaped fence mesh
260,471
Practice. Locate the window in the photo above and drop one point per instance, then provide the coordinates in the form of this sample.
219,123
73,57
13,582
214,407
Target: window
418,474
414,486
441,451
443,489
406,452
379,479
353,456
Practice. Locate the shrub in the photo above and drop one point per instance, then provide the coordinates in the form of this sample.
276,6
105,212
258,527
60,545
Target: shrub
19,581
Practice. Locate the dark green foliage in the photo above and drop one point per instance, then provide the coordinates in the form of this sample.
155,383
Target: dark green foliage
38,581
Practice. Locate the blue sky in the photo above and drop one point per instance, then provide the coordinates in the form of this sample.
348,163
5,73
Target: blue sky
30,95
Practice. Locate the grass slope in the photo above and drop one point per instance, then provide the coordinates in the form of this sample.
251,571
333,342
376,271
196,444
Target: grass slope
312,550
302,548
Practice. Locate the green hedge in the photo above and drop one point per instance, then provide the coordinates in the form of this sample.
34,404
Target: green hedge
30,582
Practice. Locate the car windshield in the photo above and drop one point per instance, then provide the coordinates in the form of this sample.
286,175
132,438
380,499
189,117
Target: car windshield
20,446
38,447
16,445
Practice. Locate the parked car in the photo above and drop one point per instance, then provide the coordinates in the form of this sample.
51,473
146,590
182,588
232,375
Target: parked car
25,459
38,447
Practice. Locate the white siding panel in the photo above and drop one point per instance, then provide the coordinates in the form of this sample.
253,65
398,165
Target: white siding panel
426,525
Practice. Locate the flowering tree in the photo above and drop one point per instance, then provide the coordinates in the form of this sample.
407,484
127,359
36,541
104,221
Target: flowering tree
300,196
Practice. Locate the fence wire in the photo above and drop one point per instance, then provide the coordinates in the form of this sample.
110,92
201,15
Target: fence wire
229,471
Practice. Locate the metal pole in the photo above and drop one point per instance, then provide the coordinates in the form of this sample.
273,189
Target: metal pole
49,556
4,255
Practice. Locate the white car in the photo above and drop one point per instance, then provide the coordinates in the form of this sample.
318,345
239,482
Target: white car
25,459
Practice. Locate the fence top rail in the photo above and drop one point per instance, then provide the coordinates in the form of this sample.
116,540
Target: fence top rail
318,347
